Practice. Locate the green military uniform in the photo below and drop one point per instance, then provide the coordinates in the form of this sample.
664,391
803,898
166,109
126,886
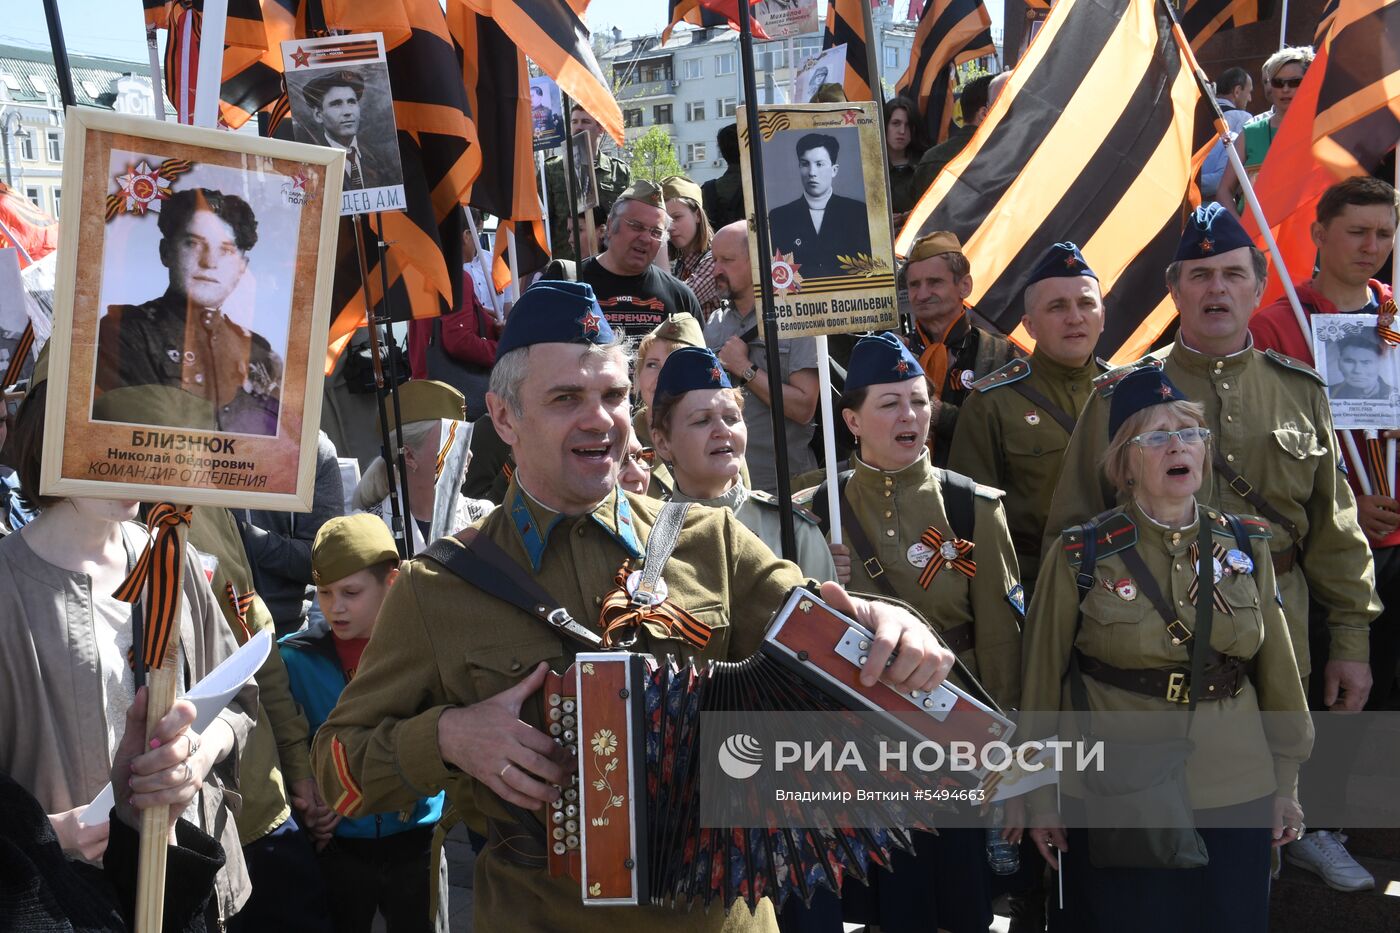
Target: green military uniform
423,660
978,616
936,157
1271,423
1012,434
168,342
1238,755
759,513
613,176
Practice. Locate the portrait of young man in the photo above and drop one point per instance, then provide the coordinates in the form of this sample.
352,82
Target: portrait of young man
334,103
820,225
1360,366
183,338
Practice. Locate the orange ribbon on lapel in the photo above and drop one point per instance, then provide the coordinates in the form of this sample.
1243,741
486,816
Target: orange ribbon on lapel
620,617
240,604
1385,324
159,566
946,554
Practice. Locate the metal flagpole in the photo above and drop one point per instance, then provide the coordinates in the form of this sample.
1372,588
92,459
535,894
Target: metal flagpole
153,53
1283,25
1394,284
544,201
387,318
209,78
60,54
766,308
514,269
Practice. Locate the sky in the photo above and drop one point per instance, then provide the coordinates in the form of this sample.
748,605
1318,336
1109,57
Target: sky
114,27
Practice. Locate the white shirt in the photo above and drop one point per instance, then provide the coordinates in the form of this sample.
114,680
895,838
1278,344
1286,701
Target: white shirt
485,289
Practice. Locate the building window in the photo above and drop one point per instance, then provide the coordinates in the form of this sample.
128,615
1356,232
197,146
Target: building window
805,48
724,64
26,145
661,114
632,116
10,81
726,106
694,68
891,57
35,195
694,111
54,140
772,60
57,199
695,152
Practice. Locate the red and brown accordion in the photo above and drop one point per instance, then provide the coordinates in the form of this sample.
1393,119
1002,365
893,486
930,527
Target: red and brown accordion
629,828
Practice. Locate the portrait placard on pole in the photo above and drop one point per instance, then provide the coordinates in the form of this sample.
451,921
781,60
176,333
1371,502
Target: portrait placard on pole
1362,371
546,113
824,179
191,310
338,88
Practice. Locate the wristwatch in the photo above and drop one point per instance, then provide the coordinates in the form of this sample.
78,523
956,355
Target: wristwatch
747,376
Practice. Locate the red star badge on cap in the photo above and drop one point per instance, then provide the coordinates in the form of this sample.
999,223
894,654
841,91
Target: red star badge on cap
1207,246
1071,262
902,367
590,323
716,375
301,58
1165,391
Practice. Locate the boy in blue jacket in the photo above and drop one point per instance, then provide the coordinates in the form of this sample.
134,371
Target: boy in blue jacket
378,862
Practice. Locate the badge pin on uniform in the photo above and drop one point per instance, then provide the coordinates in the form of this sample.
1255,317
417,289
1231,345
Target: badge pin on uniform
1126,589
1032,417
1239,561
919,554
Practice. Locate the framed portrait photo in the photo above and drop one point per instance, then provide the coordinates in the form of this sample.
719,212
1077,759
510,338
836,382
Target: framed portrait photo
824,181
191,308
1362,371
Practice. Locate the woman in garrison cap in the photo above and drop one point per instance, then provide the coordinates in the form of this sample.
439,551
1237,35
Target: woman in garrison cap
1119,605
938,541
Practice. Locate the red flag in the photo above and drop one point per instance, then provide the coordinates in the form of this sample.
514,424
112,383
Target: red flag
25,227
709,13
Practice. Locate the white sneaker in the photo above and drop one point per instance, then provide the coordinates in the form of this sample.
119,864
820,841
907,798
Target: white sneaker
1322,853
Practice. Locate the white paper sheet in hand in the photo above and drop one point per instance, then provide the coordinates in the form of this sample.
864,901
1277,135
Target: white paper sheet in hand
209,696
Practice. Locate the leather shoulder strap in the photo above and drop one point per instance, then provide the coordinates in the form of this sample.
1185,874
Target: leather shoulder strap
960,502
1246,491
1036,397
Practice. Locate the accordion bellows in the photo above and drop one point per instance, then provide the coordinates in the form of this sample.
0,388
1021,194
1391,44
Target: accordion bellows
630,828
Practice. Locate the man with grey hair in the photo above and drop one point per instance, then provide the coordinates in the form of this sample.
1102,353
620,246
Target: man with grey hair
447,695
636,295
1273,451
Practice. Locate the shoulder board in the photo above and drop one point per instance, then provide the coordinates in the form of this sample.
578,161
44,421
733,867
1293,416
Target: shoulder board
1114,533
807,515
1253,527
989,492
766,498
1105,384
1013,371
1103,364
1288,362
804,497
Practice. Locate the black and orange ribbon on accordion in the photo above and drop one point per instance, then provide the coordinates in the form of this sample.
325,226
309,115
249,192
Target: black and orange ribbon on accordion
619,616
158,566
946,554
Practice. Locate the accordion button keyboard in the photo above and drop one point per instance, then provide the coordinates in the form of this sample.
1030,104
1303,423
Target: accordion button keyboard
555,729
559,832
569,706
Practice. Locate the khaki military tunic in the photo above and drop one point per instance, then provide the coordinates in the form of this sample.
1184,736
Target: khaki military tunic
441,643
1015,441
761,514
1238,755
894,510
1271,421
169,342
613,176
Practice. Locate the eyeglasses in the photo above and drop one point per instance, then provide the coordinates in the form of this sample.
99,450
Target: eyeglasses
1162,438
1279,84
644,457
656,233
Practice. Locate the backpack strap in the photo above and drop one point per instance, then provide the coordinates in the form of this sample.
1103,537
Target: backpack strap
960,502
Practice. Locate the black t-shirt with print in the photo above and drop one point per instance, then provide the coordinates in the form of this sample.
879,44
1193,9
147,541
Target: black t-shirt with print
636,304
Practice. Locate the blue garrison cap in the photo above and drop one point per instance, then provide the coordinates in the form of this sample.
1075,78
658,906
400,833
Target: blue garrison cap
879,359
1061,261
555,312
691,368
1210,231
1141,388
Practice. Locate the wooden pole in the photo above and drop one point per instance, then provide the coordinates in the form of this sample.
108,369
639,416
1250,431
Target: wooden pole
833,492
162,683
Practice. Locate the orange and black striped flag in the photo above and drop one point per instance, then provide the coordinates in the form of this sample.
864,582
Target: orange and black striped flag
498,89
1358,105
551,33
1089,141
845,24
950,32
1324,23
1201,19
708,13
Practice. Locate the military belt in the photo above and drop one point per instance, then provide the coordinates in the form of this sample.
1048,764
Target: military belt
959,638
1172,685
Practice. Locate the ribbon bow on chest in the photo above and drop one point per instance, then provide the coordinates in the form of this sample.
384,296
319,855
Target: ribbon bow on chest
947,553
627,608
1385,324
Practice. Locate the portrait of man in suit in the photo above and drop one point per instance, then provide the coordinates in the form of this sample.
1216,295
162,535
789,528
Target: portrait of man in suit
1360,364
820,224
333,100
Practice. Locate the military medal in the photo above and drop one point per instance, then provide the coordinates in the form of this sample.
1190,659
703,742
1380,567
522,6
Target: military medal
1239,561
1218,568
1032,417
1126,589
919,554
967,378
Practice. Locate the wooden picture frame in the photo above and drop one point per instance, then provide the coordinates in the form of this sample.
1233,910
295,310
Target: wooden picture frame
191,310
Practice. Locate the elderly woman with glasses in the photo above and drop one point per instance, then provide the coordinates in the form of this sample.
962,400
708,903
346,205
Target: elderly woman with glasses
1116,608
697,425
1283,74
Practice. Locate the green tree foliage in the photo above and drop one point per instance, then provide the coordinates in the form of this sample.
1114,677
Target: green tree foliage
653,155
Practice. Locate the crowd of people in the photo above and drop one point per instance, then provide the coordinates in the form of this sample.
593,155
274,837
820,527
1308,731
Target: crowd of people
1045,520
